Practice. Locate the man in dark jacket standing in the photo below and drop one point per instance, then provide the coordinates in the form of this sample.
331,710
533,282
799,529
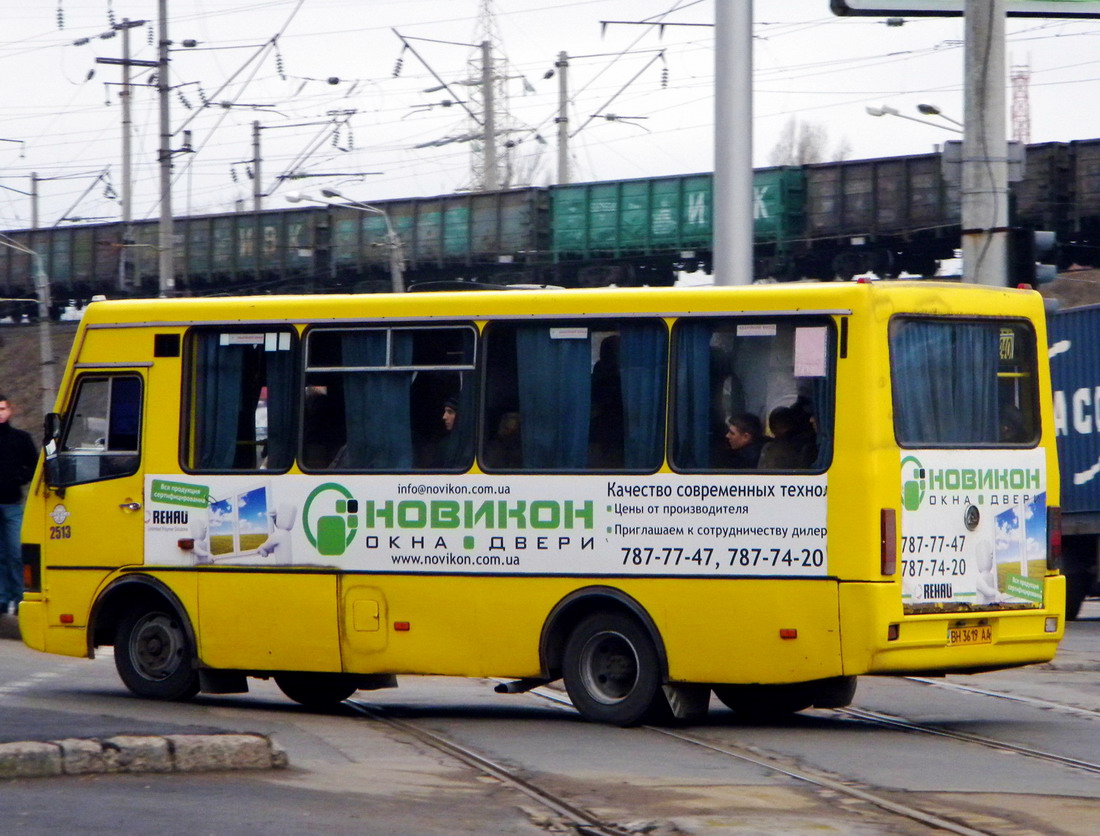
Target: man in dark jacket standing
17,459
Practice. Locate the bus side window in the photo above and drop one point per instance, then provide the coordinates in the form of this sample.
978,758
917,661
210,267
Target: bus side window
575,396
242,400
375,399
736,377
102,437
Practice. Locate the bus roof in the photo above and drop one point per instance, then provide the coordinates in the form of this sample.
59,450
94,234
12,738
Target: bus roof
840,297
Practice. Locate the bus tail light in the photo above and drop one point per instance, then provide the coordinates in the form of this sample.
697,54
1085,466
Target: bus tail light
888,527
32,567
1054,538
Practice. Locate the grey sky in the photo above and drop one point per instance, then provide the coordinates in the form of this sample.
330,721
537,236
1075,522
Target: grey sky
808,63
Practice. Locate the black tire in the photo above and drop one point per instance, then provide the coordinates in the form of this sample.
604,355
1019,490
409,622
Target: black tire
611,670
834,692
1078,586
154,654
316,690
766,702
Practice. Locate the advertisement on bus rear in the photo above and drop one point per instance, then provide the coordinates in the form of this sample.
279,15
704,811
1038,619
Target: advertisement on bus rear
754,526
973,529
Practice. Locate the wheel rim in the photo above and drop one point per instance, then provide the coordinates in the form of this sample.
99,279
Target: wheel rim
156,646
609,667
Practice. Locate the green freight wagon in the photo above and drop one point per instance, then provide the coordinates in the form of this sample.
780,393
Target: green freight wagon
667,221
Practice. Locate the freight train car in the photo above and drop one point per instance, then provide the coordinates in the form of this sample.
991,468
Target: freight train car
498,237
828,220
642,231
884,215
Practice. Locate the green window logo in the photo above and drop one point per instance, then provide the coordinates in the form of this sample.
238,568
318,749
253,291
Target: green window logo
336,522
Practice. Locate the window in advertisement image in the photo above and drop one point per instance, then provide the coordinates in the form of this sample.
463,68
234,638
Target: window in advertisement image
752,394
575,396
243,400
963,382
389,399
102,437
240,523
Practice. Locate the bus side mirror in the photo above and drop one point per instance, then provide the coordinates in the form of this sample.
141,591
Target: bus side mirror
51,437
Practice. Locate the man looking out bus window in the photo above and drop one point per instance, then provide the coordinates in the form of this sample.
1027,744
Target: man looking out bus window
17,460
745,436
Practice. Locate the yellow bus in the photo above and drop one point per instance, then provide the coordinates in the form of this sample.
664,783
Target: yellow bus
333,491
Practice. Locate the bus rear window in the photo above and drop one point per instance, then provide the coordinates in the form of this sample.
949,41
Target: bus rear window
960,382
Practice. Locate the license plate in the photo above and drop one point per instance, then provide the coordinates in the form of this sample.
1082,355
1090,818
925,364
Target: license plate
982,634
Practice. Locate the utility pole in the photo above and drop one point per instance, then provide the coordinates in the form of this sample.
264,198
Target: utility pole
167,278
563,117
257,186
985,146
34,200
489,148
126,95
127,207
732,256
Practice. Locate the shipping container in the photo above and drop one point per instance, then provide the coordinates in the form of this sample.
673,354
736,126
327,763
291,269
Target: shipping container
1074,336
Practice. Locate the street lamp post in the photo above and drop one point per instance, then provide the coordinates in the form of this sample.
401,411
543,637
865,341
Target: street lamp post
393,242
47,379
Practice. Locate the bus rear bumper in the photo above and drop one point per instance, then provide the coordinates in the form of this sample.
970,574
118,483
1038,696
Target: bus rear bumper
879,639
38,634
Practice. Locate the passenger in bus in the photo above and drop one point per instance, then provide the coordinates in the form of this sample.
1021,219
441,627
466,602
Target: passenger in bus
323,430
1013,426
746,440
450,414
606,421
794,443
504,450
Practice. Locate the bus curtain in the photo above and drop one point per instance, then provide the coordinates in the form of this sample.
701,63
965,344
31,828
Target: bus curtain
945,382
555,398
219,407
376,403
691,443
280,377
642,372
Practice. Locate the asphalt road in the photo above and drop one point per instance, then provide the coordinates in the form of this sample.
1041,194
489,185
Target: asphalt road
351,774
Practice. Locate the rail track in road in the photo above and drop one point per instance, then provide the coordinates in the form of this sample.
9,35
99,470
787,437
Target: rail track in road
581,820
1005,695
932,815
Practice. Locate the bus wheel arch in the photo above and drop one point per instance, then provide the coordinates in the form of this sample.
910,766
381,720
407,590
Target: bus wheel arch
154,642
573,608
610,655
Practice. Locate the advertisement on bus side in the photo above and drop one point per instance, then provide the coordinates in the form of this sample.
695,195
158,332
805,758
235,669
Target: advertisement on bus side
754,525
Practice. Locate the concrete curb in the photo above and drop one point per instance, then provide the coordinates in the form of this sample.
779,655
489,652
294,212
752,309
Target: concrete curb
146,753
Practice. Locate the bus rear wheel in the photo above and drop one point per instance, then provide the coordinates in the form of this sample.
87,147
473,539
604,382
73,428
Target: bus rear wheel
154,654
611,670
770,702
316,690
765,702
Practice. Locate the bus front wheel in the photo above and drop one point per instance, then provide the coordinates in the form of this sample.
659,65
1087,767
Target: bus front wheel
154,655
316,690
611,670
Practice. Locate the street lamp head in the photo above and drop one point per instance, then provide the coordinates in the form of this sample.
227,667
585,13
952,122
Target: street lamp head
929,110
297,197
332,193
885,110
